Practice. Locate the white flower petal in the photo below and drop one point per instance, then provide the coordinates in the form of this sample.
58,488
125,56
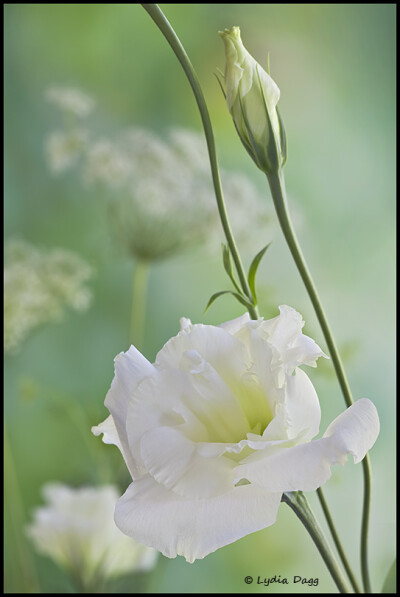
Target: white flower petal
234,325
175,462
110,436
307,466
229,356
109,431
131,367
185,324
355,431
286,335
214,344
303,412
178,430
196,404
175,525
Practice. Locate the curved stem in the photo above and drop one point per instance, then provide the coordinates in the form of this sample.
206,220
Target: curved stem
138,309
337,541
165,27
365,523
277,186
300,506
162,23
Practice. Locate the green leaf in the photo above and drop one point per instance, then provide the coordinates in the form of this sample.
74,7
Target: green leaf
272,148
282,137
268,67
253,269
219,81
226,257
238,296
389,586
251,145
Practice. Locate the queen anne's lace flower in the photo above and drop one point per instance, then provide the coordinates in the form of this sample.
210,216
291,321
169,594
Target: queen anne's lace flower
38,286
218,427
63,149
70,100
76,529
159,190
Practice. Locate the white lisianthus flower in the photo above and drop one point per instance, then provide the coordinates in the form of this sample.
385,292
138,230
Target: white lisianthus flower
218,428
252,97
76,529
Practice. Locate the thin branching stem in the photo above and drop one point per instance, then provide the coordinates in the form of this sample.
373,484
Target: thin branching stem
163,24
278,191
300,506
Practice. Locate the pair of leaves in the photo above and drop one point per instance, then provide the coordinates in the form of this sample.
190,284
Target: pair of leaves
248,302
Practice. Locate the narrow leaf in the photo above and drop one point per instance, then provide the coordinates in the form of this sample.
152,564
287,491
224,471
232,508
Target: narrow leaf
214,297
238,296
220,82
389,586
272,149
253,270
252,147
282,137
226,258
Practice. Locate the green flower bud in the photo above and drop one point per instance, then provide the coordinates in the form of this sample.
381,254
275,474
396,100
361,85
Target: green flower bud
252,97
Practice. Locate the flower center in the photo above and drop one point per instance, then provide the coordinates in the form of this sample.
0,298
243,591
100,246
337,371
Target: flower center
223,409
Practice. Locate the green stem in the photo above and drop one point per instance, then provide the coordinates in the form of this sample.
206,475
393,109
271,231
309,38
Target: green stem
337,541
165,27
163,24
138,310
300,506
277,186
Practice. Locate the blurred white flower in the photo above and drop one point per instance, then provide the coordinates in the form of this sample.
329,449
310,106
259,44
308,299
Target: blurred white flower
70,100
218,427
165,200
38,286
106,164
159,190
76,529
63,149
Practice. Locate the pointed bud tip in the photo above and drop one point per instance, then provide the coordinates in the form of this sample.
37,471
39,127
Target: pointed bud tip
233,32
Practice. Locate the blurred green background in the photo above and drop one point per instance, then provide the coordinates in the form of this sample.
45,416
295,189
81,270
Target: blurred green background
335,66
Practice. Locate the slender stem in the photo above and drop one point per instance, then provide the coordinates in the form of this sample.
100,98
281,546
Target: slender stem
277,186
138,309
365,521
165,27
337,541
300,506
162,23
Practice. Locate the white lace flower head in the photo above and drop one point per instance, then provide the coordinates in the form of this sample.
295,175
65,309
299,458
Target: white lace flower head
38,285
70,100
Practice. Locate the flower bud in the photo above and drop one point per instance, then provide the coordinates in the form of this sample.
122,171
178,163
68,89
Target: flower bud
252,98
